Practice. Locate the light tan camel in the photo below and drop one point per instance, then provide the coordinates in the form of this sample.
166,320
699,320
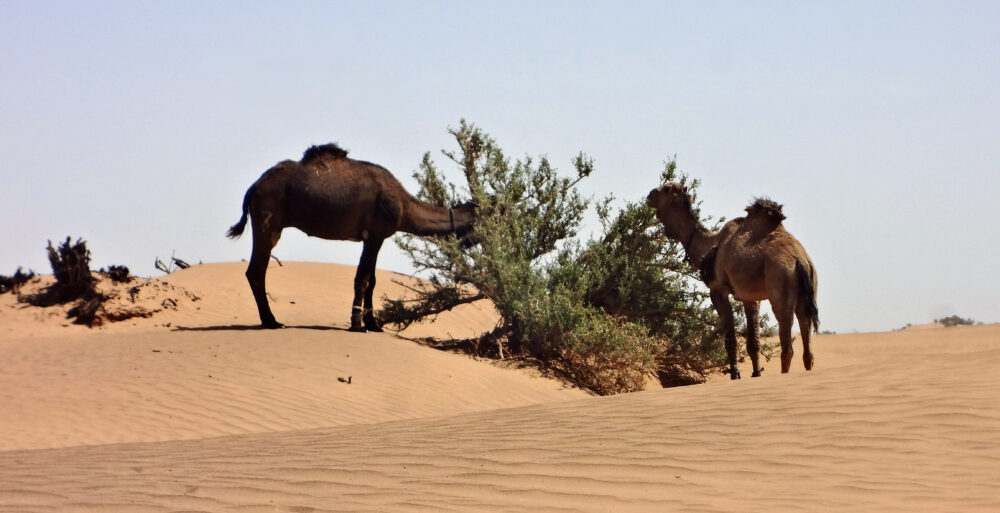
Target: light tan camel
753,258
333,197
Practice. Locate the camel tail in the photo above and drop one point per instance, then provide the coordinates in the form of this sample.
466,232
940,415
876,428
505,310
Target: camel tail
237,229
807,290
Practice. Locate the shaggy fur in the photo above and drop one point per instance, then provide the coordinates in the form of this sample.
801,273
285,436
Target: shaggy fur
315,152
766,207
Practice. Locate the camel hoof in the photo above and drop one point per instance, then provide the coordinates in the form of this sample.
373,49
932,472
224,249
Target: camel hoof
756,373
733,372
371,324
271,325
357,329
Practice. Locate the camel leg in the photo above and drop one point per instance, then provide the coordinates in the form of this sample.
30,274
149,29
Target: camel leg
366,268
805,326
368,316
263,243
785,320
752,309
725,310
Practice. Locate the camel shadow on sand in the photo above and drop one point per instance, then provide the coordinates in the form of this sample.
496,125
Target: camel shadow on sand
253,327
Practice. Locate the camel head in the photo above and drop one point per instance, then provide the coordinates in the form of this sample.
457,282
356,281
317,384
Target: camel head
670,200
464,216
674,209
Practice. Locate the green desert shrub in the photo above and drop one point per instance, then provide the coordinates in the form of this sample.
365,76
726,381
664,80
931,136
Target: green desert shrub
608,312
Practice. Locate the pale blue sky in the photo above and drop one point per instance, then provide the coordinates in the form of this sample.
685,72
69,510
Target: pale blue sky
139,125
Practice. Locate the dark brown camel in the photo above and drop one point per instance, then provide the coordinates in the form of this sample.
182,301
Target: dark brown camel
753,258
328,195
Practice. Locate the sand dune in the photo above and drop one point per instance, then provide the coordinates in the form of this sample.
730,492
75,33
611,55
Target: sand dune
143,417
302,294
202,370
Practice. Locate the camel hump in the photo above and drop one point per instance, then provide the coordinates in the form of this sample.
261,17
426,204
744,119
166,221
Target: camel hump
765,207
330,149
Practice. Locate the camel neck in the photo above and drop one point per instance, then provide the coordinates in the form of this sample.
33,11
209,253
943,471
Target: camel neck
687,245
684,228
423,218
699,243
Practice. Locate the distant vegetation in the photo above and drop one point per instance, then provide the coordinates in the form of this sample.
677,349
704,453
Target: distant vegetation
74,282
172,265
118,273
607,312
955,320
70,263
949,322
13,283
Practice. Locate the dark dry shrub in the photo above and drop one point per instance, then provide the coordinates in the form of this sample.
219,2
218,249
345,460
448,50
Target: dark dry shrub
74,282
71,268
954,320
85,311
118,273
13,283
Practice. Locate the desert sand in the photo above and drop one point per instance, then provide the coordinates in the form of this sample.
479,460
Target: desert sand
194,410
